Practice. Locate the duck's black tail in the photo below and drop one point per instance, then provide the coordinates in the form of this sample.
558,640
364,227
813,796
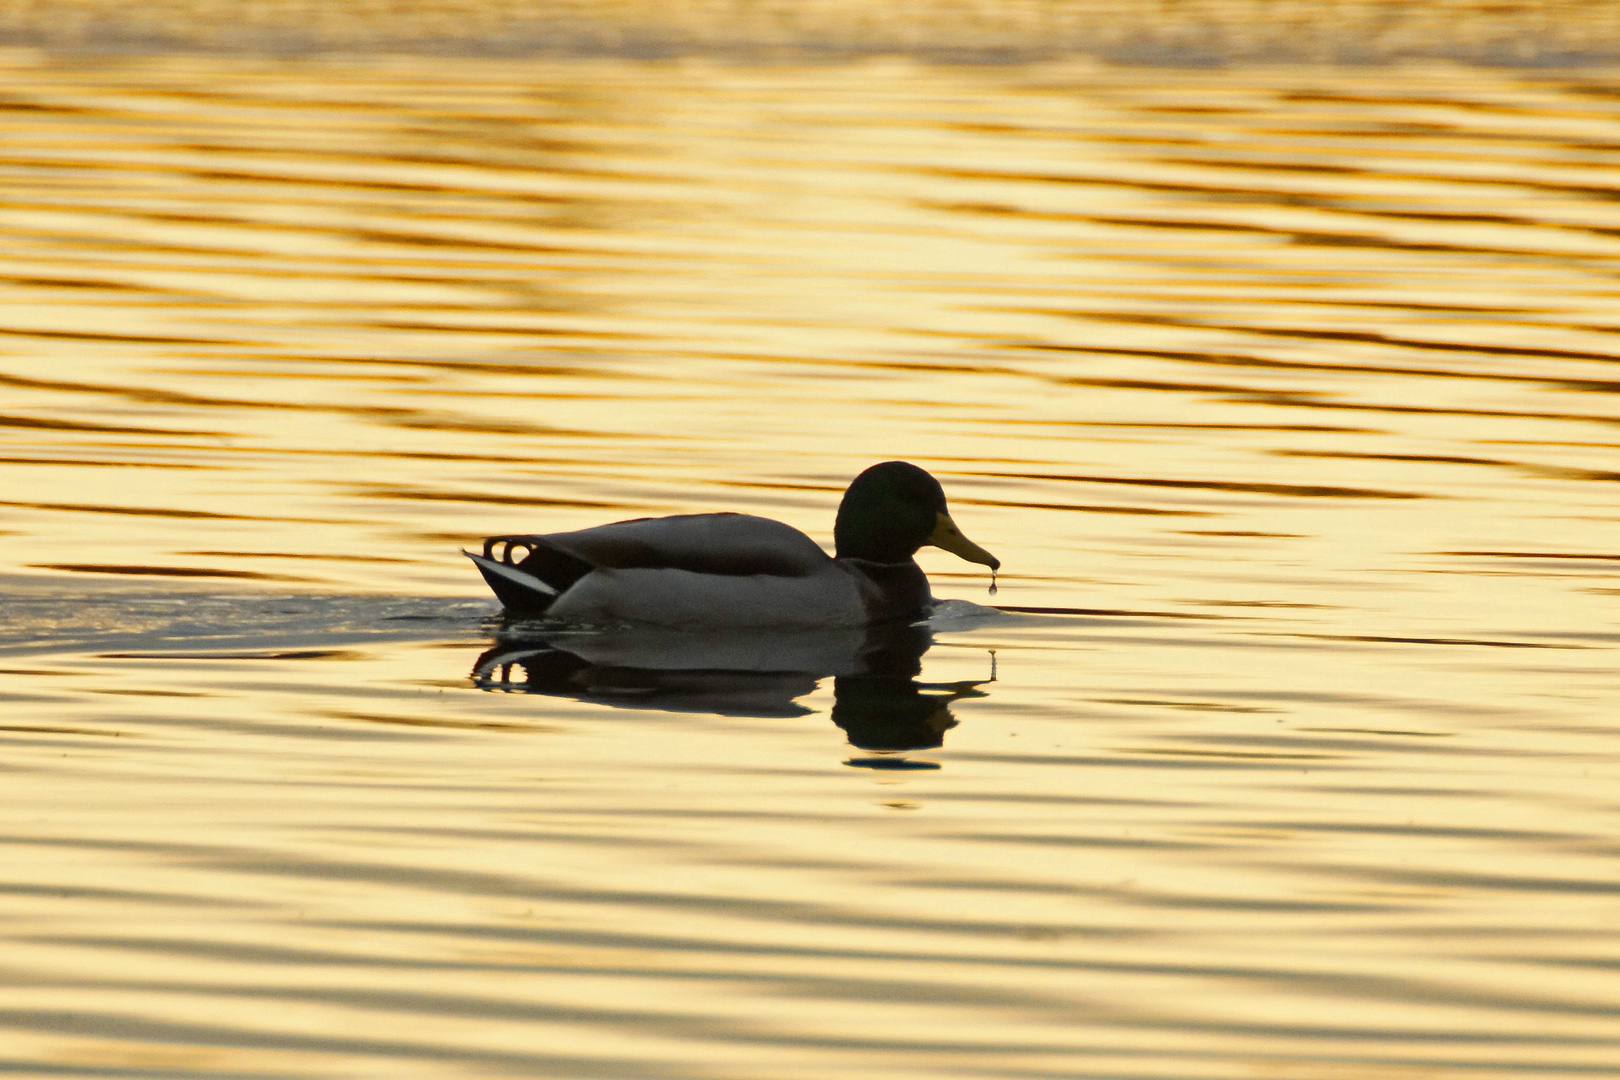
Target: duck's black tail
528,587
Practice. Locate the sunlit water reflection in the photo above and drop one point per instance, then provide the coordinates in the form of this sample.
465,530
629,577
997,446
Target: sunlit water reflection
1286,397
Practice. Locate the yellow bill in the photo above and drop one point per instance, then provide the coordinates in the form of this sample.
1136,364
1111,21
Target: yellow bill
948,536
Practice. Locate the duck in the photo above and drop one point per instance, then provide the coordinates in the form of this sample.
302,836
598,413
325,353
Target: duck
729,571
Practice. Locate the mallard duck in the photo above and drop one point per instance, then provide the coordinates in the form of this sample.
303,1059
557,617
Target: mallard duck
737,570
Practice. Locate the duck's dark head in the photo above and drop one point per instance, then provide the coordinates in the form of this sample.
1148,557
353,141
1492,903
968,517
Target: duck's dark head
894,508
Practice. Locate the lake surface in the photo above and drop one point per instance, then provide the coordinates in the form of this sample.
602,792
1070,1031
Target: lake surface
1287,397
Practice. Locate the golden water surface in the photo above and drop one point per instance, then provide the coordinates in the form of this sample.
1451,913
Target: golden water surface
1287,397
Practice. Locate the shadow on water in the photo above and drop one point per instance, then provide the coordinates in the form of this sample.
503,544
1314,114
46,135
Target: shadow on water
877,698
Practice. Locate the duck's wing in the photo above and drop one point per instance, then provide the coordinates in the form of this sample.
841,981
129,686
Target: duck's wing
527,572
730,545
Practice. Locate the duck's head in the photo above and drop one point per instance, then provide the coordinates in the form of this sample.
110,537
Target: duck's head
891,510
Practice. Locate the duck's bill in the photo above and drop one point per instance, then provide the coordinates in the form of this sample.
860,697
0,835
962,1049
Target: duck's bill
948,536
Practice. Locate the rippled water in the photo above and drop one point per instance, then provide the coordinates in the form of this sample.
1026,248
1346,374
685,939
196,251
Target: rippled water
1287,397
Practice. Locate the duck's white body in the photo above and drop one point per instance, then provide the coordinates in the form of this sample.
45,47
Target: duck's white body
684,598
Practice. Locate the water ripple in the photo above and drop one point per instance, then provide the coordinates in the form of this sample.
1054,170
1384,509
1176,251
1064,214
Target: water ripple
1320,783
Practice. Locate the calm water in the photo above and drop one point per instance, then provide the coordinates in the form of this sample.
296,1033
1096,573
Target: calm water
1287,397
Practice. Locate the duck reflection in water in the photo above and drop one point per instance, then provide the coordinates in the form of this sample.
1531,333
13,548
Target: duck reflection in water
877,699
